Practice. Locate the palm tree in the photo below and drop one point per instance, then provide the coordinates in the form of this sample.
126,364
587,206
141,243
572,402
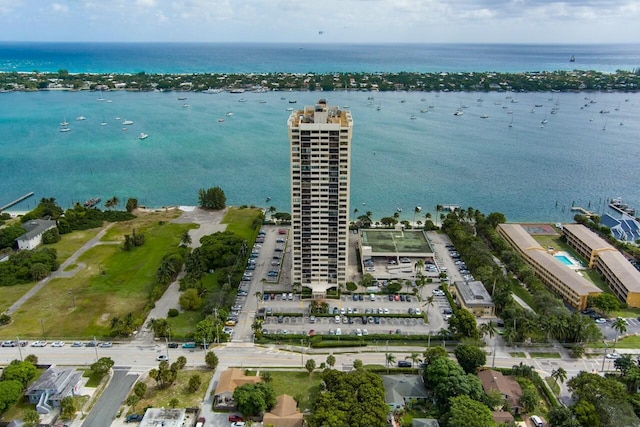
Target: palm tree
112,202
560,375
429,302
416,210
272,210
415,359
488,329
390,359
185,240
258,296
620,325
438,209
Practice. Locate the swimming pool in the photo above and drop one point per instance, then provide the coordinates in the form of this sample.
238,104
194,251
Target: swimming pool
563,259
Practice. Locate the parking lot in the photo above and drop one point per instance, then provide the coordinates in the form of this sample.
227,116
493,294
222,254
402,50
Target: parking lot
268,273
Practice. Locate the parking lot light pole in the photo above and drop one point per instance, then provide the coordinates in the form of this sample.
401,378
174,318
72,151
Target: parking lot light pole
604,355
302,352
166,341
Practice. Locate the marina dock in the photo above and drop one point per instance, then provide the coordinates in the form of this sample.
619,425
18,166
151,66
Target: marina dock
16,201
582,210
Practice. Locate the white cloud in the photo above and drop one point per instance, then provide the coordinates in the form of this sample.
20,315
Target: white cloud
59,8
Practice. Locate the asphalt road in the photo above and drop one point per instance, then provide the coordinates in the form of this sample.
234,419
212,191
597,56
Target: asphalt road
107,407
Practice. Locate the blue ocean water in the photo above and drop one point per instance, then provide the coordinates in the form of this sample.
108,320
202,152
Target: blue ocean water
530,171
317,58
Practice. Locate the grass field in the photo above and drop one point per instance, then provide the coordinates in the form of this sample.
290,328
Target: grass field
632,341
159,398
241,222
10,294
70,243
298,385
114,283
544,355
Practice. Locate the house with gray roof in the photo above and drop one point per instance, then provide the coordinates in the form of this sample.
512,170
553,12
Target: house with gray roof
399,389
34,231
53,385
474,297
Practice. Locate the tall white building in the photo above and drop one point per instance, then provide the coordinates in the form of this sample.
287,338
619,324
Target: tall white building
320,139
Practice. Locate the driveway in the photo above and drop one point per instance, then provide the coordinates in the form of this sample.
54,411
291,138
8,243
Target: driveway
107,406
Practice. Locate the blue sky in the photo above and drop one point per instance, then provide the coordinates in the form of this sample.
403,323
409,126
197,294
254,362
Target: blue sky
340,21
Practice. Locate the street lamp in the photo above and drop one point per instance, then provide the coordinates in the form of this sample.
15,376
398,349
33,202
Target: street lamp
604,355
19,348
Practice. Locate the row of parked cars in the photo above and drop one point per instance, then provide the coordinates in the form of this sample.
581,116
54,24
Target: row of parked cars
105,344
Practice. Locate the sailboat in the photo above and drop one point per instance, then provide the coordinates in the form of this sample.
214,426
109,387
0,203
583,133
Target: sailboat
544,121
511,123
100,98
605,125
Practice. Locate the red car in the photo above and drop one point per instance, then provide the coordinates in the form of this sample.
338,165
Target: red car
233,418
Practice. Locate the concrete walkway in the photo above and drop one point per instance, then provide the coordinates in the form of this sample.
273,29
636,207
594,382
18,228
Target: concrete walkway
60,271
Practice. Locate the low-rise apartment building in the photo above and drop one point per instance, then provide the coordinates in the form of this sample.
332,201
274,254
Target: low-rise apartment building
570,285
616,270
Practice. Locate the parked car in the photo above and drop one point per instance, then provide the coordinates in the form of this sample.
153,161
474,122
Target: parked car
106,344
404,364
234,418
8,344
189,345
38,344
133,418
76,344
162,357
57,344
173,345
91,344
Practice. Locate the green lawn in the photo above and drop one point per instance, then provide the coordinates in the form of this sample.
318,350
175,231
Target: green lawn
114,283
545,354
521,292
298,385
156,397
241,221
518,354
70,243
182,325
632,341
10,294
553,385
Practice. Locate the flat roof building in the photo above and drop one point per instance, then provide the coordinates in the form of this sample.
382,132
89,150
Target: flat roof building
320,153
616,270
154,417
474,297
570,285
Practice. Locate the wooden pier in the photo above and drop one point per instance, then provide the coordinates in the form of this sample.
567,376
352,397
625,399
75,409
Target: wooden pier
16,201
585,212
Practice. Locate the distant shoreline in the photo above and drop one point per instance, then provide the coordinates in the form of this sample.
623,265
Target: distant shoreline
544,81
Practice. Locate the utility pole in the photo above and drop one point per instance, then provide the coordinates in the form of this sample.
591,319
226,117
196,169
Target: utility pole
19,348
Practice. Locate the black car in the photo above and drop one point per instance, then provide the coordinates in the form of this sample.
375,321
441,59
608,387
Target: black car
390,297
404,364
173,345
133,418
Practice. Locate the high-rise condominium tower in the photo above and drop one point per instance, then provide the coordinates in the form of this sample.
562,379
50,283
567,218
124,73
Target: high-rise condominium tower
320,150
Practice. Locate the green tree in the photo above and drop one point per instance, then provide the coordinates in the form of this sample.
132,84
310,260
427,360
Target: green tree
32,358
357,364
212,198
140,389
463,324
415,359
466,412
620,326
132,204
10,392
310,366
529,398
112,202
605,303
389,360
174,402
254,399
68,407
194,383
211,359
560,375
160,327
181,362
190,300
102,366
185,240
488,329
31,418
561,416
266,377
331,360
20,371
447,379
51,236
470,357
433,353
133,400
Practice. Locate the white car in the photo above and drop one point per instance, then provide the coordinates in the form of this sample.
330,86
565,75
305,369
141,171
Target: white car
438,292
418,312
57,344
601,320
613,356
38,344
162,358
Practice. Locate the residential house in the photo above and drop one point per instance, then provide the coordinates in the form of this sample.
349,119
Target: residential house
284,414
507,386
229,380
53,385
34,231
399,389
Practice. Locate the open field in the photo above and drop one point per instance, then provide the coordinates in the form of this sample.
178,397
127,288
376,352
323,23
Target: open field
142,221
156,397
113,284
70,243
241,222
298,385
10,294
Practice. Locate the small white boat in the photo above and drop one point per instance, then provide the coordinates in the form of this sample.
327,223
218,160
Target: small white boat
458,113
65,129
65,123
289,109
413,117
186,105
262,101
81,118
127,122
484,116
242,100
103,123
230,113
143,135
124,129
220,120
182,98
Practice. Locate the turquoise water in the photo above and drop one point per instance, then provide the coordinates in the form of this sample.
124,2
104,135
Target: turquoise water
528,172
563,259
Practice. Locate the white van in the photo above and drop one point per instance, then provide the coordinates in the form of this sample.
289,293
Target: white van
536,421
